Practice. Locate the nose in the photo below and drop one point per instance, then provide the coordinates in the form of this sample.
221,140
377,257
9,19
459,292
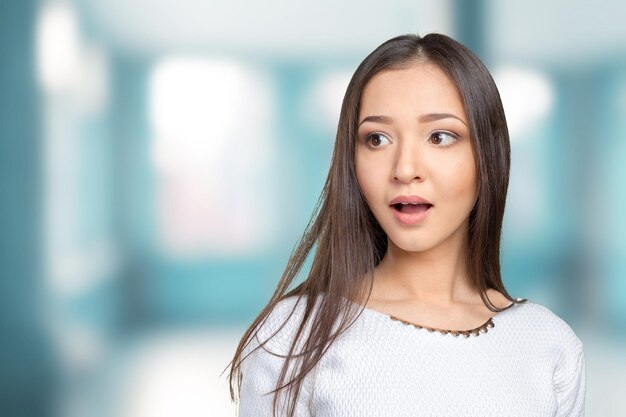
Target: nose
409,164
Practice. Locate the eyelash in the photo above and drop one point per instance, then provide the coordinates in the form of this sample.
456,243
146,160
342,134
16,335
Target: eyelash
452,135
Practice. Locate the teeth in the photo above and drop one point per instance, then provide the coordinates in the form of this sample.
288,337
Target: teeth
415,204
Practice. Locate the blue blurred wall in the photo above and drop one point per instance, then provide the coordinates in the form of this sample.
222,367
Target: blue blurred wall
26,376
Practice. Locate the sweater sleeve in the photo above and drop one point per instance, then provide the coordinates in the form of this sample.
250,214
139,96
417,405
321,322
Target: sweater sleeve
261,369
570,378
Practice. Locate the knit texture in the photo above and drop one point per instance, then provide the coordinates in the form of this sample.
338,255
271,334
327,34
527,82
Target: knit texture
530,364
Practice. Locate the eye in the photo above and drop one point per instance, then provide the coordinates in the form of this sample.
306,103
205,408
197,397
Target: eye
443,138
375,139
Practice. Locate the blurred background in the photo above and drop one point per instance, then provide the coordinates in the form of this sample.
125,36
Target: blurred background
159,160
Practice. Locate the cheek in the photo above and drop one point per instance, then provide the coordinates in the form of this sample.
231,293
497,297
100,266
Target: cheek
459,181
368,177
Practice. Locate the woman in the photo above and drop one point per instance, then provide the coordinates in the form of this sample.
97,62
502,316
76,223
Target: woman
395,314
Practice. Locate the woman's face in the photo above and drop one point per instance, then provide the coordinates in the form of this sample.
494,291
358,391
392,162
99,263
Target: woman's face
414,141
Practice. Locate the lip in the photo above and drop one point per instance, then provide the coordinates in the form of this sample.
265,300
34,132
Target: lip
410,219
409,199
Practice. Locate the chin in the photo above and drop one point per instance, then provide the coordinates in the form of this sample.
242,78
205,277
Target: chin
411,245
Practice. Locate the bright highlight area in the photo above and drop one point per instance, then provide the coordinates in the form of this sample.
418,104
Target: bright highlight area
211,148
527,97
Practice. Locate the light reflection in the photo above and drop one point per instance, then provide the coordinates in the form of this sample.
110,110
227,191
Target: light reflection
527,97
323,104
58,46
212,152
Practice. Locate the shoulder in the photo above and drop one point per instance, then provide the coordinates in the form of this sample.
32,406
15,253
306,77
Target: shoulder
568,366
278,330
544,317
551,328
265,358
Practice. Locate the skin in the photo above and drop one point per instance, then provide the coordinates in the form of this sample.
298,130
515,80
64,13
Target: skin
423,276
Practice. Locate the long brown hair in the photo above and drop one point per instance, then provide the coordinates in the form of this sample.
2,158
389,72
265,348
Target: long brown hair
351,243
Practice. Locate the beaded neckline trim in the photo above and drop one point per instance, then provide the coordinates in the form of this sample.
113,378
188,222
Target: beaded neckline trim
484,328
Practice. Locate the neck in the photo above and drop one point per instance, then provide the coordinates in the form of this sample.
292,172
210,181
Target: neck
437,276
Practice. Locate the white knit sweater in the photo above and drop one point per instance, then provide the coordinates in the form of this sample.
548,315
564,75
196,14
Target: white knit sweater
529,364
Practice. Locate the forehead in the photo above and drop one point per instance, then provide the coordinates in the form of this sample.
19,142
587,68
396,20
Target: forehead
418,89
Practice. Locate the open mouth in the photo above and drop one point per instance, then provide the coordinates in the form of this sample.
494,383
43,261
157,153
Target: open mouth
411,208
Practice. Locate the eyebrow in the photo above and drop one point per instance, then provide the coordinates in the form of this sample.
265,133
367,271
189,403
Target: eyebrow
425,118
